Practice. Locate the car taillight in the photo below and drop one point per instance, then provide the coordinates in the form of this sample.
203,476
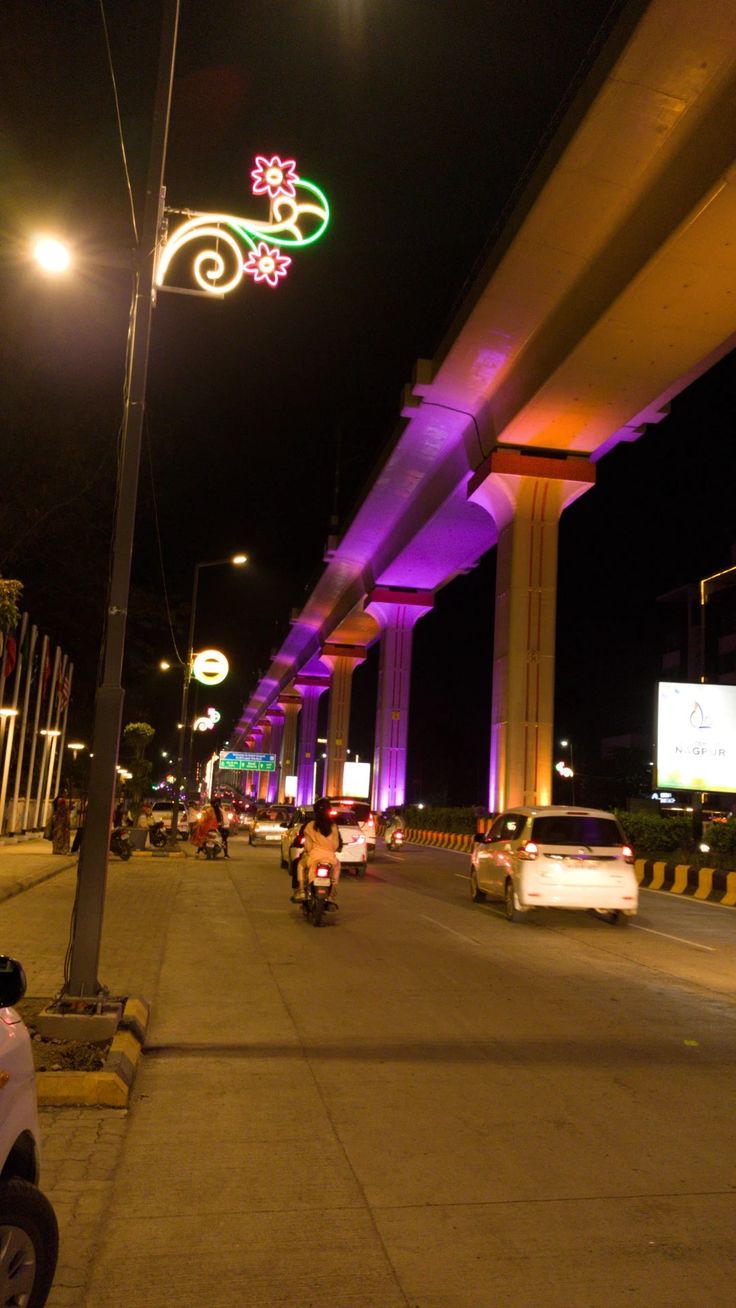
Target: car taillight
529,850
332,812
627,854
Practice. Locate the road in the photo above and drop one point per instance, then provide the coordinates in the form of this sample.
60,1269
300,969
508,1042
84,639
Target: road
424,1106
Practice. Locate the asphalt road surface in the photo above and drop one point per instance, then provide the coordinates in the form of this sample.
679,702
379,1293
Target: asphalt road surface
421,1105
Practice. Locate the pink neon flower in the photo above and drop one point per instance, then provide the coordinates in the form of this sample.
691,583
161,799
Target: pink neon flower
274,177
266,264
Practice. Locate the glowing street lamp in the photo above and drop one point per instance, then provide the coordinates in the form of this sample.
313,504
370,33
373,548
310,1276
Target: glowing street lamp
568,772
52,255
75,746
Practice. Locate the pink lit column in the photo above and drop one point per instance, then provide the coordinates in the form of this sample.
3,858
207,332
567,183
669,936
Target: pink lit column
252,746
264,777
276,718
397,611
310,688
342,660
291,705
525,494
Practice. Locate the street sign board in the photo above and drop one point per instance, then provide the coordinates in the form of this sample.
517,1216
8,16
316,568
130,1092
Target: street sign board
237,762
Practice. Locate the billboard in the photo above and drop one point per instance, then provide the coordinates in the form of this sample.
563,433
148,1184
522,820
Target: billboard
356,780
696,736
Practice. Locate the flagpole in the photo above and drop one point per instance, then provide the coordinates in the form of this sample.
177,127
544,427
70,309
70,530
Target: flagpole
17,671
54,705
23,730
34,742
62,737
45,751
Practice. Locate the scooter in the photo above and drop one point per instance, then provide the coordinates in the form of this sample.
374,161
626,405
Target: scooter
120,843
212,845
396,838
157,837
318,897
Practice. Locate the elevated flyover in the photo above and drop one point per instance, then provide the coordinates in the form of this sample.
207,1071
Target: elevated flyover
611,287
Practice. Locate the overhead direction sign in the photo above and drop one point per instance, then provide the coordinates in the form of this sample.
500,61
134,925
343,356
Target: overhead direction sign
230,758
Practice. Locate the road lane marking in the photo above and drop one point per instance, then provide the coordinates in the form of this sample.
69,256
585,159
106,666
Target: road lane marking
710,949
463,876
441,925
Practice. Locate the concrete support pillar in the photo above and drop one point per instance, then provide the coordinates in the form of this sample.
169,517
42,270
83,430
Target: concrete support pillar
310,688
291,705
265,748
250,779
276,718
525,494
396,611
342,661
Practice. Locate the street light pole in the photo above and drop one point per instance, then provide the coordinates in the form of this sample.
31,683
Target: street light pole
82,981
184,727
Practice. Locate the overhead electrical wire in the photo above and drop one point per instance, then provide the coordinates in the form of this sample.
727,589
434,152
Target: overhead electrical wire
119,120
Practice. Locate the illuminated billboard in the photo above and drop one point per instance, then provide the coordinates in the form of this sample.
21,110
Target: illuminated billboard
696,736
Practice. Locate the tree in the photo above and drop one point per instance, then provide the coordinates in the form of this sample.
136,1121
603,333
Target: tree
137,736
9,612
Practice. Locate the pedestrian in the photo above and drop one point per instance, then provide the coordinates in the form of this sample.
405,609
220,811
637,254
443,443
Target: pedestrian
60,823
207,821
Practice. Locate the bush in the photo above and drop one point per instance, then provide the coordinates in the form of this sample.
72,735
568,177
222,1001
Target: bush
451,820
651,834
721,836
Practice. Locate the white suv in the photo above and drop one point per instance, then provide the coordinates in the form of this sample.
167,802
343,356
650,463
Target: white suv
29,1238
556,858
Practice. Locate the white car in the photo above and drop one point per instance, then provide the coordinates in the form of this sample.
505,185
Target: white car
29,1237
162,811
366,818
268,823
354,852
575,858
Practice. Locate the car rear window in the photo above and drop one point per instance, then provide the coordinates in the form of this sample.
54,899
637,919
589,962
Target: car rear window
344,817
576,829
360,812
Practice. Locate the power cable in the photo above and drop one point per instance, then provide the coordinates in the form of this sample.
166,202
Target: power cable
466,413
158,542
119,120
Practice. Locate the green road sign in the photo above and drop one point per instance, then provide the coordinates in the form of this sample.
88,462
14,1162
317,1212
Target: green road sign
237,762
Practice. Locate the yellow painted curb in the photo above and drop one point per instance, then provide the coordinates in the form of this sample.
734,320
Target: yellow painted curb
107,1088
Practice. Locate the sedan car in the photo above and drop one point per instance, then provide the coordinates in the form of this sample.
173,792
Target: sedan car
575,858
268,824
354,852
29,1239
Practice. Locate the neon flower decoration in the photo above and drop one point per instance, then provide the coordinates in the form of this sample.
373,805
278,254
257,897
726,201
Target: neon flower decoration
229,247
266,265
274,177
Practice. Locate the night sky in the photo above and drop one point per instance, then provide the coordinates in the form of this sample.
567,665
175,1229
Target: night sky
418,118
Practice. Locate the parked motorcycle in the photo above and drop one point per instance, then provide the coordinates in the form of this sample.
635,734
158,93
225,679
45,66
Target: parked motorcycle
318,897
120,843
157,837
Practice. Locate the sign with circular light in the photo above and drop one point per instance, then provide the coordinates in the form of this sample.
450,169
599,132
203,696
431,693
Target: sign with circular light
210,667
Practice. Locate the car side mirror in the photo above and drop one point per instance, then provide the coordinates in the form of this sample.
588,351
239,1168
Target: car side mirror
12,981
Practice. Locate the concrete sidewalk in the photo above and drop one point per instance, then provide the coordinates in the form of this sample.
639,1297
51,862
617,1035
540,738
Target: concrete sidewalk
27,862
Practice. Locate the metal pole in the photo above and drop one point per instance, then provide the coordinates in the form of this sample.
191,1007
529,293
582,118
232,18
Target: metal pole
92,870
62,738
17,673
184,710
34,741
46,743
23,728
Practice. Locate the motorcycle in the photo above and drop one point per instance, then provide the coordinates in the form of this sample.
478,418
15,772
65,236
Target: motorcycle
318,899
395,838
157,837
120,843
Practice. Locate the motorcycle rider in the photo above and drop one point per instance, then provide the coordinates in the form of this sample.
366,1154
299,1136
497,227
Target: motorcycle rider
321,844
395,823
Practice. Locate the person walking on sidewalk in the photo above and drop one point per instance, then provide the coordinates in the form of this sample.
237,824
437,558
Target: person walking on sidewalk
60,823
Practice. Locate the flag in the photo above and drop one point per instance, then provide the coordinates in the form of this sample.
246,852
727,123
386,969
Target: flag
11,654
62,691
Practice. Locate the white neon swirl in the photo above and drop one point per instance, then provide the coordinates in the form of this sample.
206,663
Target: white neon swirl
196,229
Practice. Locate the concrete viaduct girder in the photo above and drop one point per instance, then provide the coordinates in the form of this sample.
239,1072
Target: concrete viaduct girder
612,286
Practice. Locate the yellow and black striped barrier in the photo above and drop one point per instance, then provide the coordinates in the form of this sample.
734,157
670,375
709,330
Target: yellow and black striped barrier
680,879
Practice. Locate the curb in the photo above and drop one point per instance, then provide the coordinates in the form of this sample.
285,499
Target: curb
680,879
9,891
111,1086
